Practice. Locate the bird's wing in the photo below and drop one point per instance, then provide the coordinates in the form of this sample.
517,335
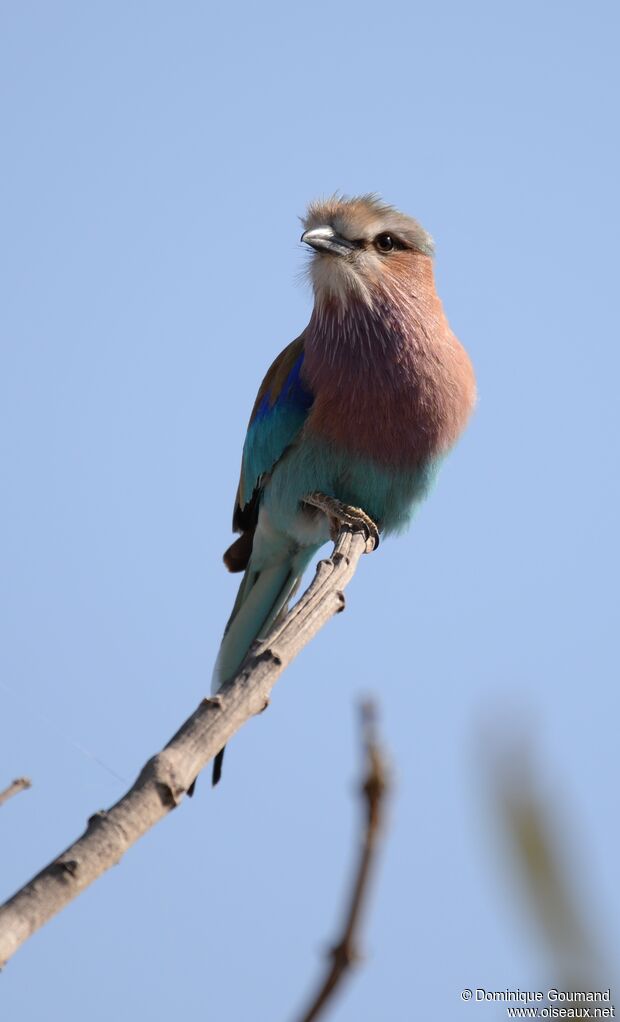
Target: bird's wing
280,410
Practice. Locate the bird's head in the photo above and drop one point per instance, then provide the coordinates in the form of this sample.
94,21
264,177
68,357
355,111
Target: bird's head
361,247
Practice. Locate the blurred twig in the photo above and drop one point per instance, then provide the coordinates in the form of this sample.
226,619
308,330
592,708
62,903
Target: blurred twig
556,897
14,788
373,790
551,894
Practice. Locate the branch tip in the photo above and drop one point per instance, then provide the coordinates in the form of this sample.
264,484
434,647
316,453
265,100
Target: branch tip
14,788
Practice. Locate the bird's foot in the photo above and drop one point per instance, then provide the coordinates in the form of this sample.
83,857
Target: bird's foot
339,514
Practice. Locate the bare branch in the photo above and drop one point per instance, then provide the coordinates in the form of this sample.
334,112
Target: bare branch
14,788
373,790
166,777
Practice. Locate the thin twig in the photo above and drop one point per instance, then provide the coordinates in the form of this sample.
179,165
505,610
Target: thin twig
165,779
14,788
373,789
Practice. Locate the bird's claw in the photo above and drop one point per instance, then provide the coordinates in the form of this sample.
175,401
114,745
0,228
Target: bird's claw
339,514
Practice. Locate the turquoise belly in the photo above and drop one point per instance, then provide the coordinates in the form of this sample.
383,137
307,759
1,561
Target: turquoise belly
389,496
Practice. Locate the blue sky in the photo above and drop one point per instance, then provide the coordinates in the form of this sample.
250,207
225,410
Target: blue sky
155,160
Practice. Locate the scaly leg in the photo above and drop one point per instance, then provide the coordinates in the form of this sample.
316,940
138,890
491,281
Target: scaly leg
339,514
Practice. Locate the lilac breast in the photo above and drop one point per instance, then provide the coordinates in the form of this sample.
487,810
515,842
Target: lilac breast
391,383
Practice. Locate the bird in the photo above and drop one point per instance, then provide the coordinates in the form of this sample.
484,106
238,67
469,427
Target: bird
362,408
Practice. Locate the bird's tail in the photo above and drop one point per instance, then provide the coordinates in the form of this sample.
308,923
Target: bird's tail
263,595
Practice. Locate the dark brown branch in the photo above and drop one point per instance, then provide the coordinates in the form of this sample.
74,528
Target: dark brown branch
14,788
165,779
373,789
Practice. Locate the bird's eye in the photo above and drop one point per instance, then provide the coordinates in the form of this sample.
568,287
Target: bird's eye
384,242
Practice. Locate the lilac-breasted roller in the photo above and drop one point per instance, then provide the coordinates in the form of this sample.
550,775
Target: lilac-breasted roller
362,407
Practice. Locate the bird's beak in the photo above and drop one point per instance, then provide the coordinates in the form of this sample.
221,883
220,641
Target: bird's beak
325,239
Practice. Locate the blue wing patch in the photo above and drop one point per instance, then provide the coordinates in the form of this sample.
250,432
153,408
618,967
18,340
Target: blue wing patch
280,411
